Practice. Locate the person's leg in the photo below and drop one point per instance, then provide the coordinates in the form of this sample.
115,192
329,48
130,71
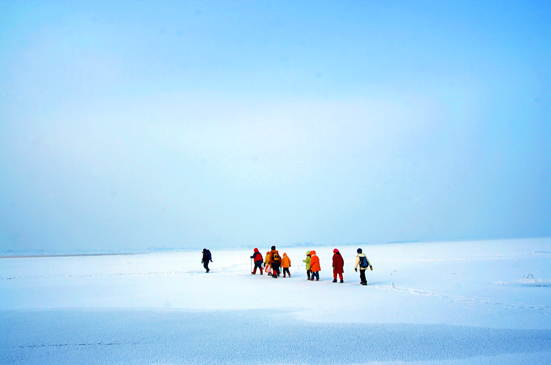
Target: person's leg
341,277
308,273
362,277
334,277
276,270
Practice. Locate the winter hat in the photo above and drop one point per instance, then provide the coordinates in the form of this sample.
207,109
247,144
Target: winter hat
359,250
335,251
273,247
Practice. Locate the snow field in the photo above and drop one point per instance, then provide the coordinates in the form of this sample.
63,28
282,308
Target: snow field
456,303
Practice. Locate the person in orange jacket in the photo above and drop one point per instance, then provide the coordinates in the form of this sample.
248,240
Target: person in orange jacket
267,266
286,264
315,266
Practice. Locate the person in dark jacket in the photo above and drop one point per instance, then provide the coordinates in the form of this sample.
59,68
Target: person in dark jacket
275,262
338,265
207,257
258,261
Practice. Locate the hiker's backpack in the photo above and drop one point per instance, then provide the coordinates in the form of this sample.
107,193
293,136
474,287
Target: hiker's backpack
209,256
363,261
276,258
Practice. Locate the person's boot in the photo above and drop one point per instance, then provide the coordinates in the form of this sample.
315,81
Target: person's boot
342,281
289,274
335,280
260,271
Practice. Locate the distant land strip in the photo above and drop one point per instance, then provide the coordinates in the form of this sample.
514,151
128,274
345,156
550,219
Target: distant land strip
71,255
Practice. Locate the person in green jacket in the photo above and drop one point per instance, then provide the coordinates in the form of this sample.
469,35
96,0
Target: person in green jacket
307,261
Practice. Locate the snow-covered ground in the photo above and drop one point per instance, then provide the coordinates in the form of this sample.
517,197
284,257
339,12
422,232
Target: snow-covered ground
485,302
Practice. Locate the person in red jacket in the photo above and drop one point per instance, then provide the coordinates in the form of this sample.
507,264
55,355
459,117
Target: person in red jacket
315,266
258,261
338,265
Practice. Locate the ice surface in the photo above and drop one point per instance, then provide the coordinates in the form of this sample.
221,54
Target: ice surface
455,303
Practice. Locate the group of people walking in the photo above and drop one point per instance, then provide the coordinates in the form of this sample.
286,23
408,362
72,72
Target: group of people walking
273,262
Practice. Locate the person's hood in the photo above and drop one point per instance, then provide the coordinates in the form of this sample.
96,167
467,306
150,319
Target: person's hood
256,250
336,251
284,254
307,253
312,253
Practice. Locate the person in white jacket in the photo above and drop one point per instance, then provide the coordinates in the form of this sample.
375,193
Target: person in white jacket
363,263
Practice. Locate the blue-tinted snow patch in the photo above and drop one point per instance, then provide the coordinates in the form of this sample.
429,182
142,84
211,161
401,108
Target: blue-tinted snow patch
151,337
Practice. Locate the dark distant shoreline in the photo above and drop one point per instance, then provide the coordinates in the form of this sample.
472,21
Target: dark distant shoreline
70,255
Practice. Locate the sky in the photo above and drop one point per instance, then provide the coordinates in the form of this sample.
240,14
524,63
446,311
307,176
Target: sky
130,125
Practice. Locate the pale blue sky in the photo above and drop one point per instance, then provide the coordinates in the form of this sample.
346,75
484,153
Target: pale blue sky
136,124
